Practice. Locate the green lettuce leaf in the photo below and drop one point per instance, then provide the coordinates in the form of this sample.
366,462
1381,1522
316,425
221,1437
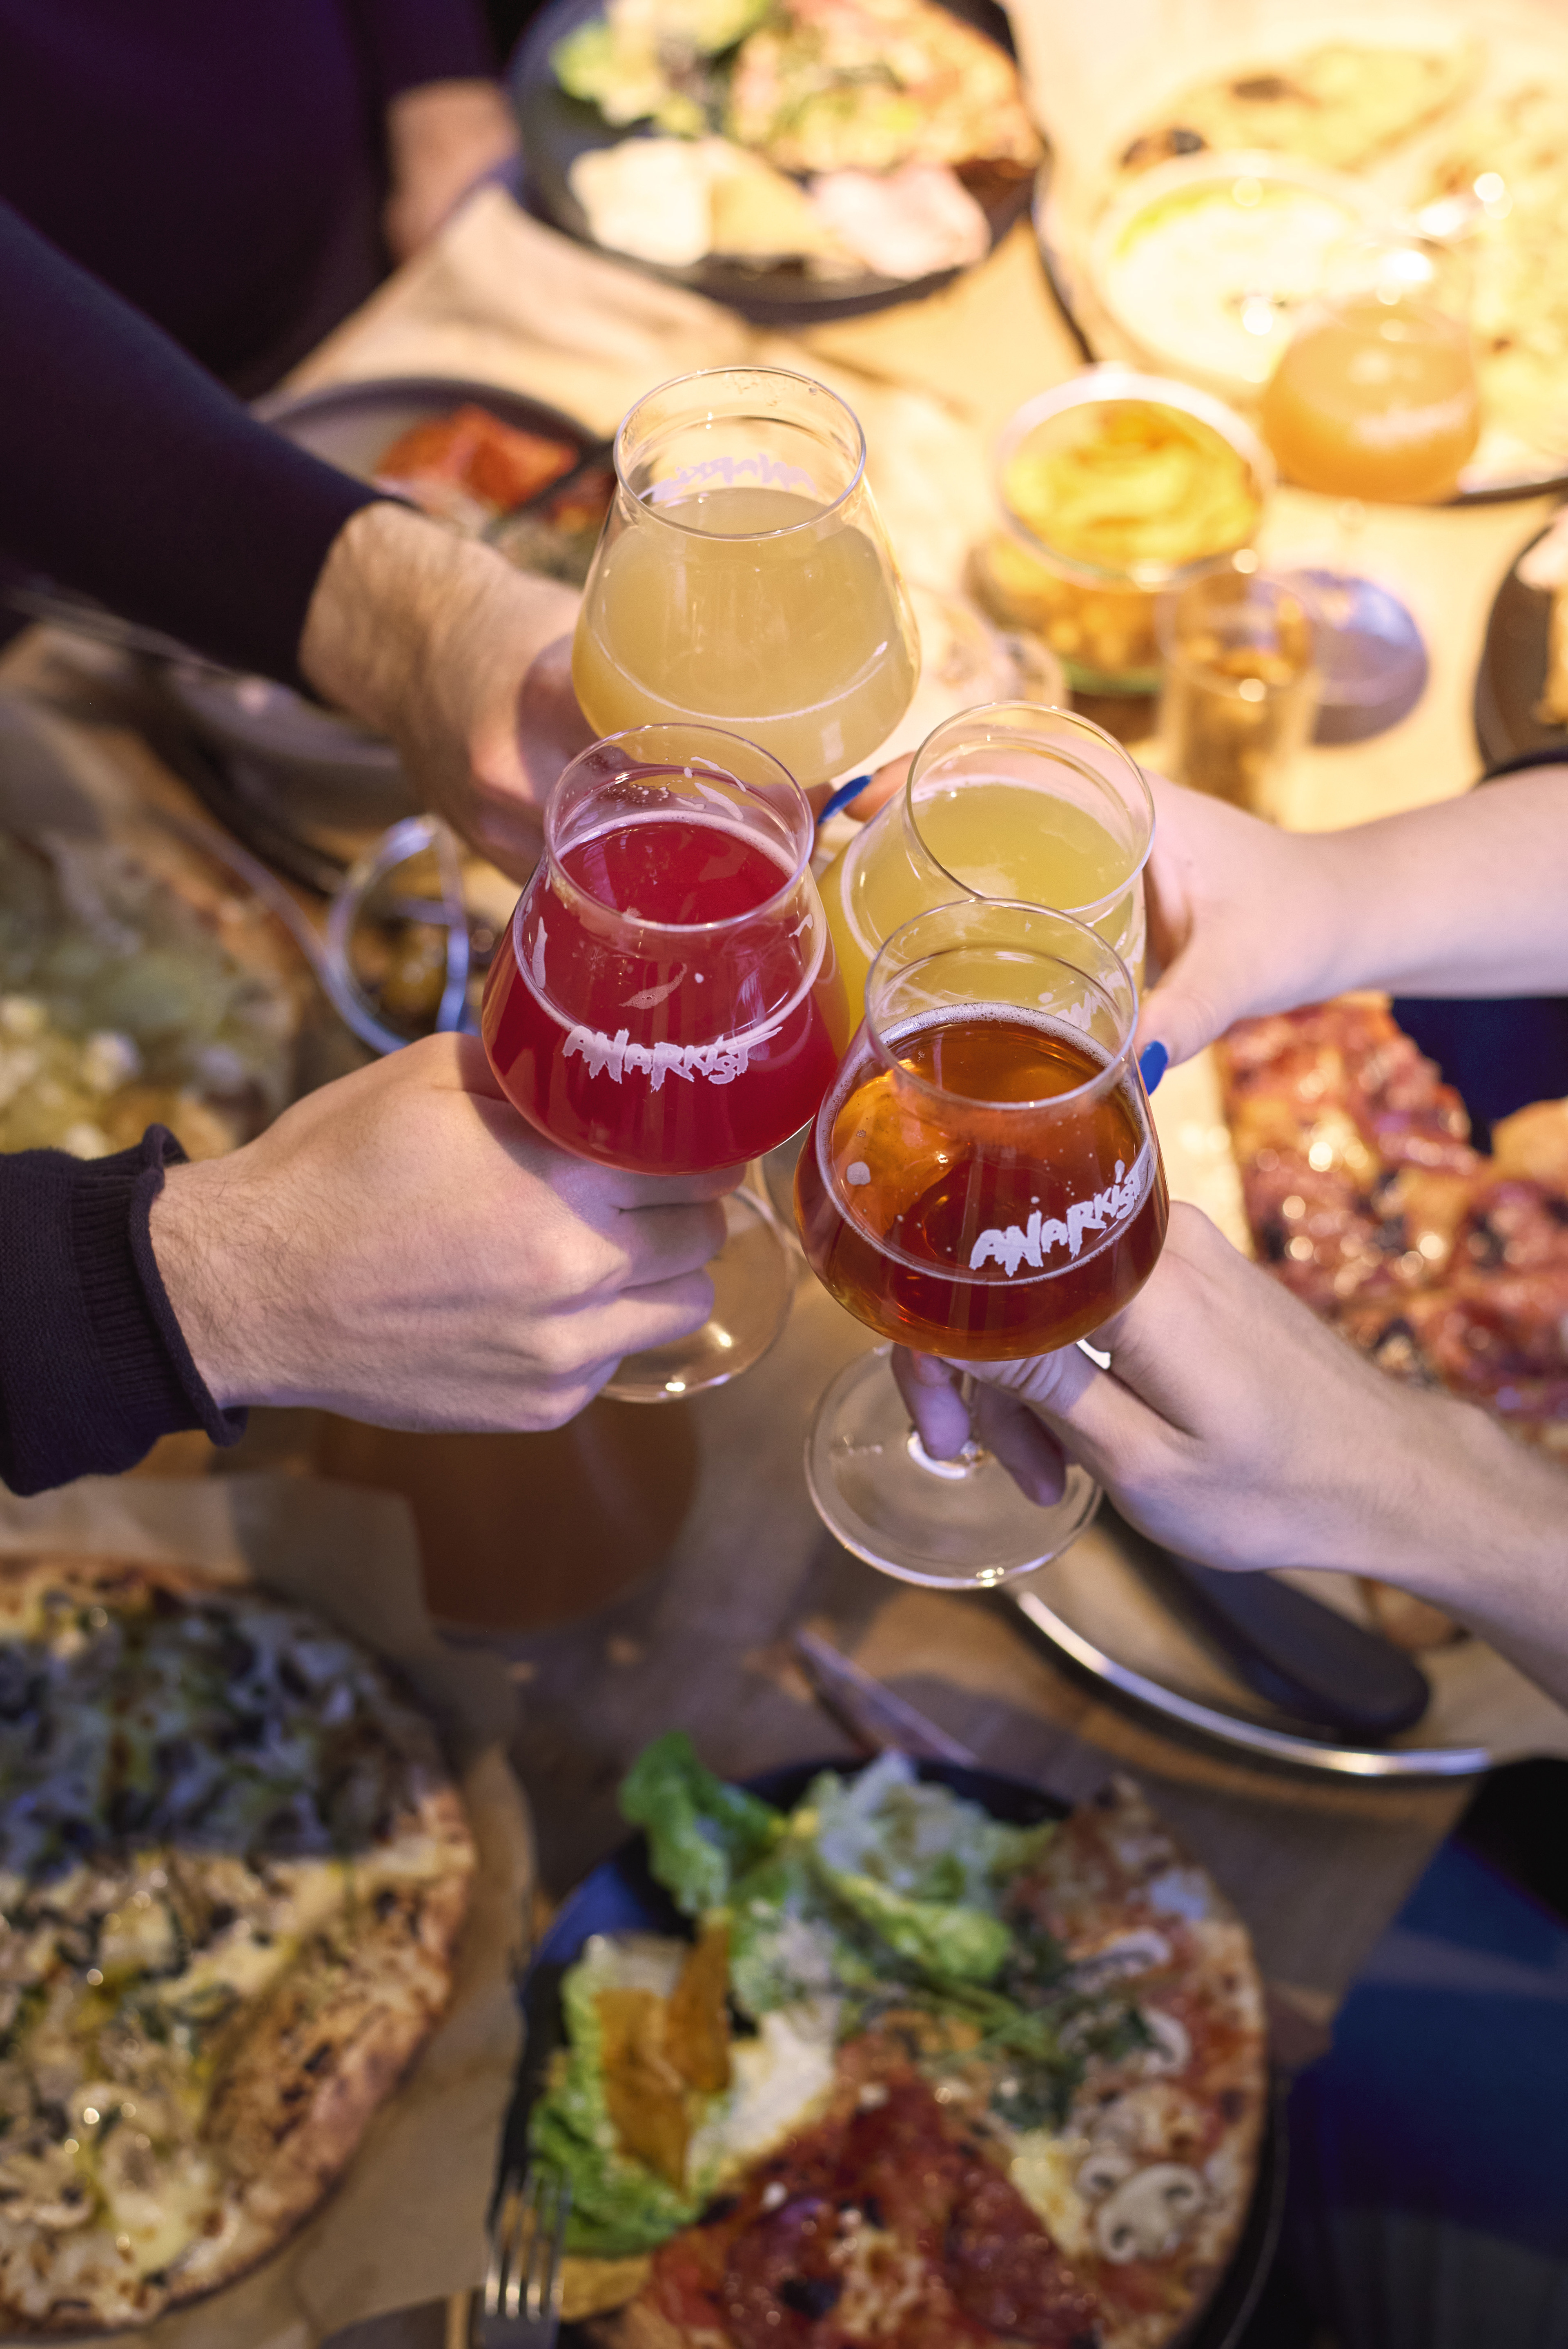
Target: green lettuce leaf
942,1939
919,1839
789,1938
702,1835
618,2206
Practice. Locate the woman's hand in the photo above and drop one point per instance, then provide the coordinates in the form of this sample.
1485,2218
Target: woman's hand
1236,1430
1243,918
402,1247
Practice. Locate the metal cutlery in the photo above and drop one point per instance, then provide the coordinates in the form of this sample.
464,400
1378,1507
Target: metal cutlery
520,2307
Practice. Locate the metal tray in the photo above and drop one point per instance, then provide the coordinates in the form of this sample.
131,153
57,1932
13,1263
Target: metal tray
1102,1607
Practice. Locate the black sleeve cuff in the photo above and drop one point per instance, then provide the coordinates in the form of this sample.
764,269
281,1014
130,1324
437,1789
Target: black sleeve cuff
93,1365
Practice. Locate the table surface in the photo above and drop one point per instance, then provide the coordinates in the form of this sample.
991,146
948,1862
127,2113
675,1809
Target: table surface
1317,1868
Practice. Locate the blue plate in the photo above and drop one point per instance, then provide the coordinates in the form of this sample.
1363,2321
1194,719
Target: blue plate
621,1897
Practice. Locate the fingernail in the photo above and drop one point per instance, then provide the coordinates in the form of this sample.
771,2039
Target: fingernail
930,1370
842,796
1152,1063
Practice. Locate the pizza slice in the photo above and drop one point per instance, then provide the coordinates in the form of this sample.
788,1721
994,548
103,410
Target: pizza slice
1340,105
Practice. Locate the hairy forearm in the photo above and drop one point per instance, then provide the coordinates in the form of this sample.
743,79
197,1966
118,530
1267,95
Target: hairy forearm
393,596
1467,897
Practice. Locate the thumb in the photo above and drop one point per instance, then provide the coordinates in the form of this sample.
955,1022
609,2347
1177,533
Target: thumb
1191,1003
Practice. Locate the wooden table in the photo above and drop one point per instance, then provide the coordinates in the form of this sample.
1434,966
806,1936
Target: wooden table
1316,1868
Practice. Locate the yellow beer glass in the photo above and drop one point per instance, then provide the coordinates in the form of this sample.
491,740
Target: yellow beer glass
743,578
1010,801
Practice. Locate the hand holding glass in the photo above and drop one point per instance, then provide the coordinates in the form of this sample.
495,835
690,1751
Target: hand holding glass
743,577
666,999
983,1183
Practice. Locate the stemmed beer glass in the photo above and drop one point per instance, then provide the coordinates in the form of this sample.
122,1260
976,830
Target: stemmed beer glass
983,1182
665,998
743,577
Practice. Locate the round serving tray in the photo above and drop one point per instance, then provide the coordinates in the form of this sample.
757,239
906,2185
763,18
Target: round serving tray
1063,258
622,1896
1104,1606
555,130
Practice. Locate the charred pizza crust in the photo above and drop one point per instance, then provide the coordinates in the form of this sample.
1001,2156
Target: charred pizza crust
233,1871
1339,105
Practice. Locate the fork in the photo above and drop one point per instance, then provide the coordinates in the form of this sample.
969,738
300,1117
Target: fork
522,2305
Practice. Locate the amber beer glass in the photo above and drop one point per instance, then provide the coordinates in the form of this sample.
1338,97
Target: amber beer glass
983,1182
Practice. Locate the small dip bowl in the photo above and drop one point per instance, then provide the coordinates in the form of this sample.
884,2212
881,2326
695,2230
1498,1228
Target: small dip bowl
1115,487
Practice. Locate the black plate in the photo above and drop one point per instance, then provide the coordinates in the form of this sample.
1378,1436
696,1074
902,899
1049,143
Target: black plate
1512,671
621,1897
555,130
350,424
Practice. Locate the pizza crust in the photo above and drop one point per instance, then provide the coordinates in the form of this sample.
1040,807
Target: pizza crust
312,1980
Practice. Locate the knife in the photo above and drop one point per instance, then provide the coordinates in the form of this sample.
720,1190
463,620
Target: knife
874,1715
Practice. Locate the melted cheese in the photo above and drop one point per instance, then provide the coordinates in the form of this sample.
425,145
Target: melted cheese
778,2079
1043,2168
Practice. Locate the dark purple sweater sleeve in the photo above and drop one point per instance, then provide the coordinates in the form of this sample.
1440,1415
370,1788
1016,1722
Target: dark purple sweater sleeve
93,1366
408,42
133,476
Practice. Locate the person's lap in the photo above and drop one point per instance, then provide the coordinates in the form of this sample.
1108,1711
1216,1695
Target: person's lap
1428,2203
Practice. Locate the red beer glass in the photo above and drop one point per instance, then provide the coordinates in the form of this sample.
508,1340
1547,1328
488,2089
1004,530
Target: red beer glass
983,1182
666,999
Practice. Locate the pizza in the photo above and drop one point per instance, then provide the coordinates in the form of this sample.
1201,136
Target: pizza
469,467
138,984
917,2175
233,1873
1366,1196
1340,105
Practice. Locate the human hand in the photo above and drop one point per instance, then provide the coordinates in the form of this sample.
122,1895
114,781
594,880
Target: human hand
1235,1429
401,1247
1243,918
464,663
440,139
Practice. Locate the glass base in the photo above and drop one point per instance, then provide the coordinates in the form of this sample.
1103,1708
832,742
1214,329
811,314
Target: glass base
753,1278
1371,659
949,1524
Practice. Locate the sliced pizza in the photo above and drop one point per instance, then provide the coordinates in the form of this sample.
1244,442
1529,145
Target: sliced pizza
233,1870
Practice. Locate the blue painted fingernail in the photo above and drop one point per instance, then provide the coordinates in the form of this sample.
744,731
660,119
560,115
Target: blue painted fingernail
843,795
1152,1063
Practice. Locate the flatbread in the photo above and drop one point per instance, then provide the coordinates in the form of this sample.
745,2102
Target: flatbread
1340,105
233,1871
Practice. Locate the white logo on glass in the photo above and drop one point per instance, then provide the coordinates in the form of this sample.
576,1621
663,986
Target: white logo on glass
720,1062
1031,1243
764,472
